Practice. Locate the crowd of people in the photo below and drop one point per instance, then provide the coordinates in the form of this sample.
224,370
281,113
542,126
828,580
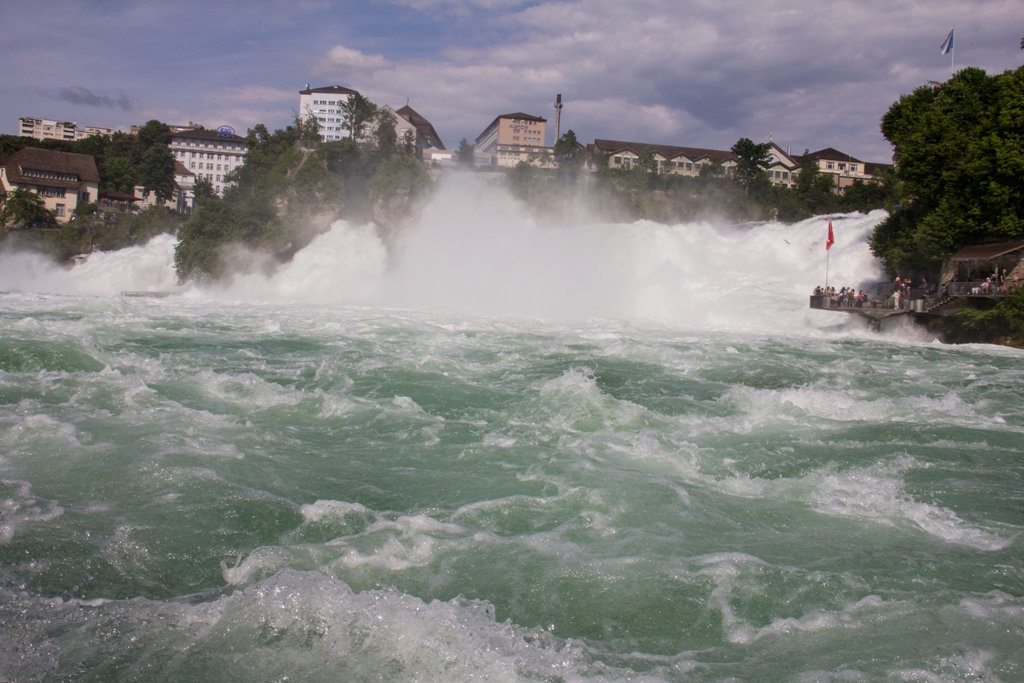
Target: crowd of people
849,297
846,297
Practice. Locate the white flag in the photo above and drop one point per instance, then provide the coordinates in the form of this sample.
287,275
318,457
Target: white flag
947,44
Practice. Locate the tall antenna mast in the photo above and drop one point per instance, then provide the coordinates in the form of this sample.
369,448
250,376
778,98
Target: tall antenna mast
558,117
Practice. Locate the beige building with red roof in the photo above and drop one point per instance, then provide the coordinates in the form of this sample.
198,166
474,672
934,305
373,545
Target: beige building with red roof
62,179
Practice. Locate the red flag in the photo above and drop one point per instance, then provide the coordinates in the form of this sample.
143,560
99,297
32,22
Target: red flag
831,238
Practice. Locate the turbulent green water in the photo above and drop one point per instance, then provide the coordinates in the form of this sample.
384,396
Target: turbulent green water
195,489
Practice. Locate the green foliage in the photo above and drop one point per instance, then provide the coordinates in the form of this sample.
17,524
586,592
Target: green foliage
154,133
9,144
216,224
465,154
960,158
385,136
357,111
85,209
711,169
752,160
396,190
118,175
309,128
1005,319
286,192
315,183
23,207
647,161
156,172
203,189
407,145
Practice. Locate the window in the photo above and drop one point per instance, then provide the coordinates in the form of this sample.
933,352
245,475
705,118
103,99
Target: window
193,165
785,175
51,191
83,197
218,167
842,166
853,168
778,175
60,209
696,165
689,165
829,166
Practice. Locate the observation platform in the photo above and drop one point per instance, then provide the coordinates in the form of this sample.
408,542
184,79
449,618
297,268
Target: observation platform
916,303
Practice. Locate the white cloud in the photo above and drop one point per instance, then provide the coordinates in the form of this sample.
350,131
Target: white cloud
700,73
341,59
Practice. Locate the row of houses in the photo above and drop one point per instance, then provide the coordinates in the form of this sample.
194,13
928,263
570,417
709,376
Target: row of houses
64,180
519,137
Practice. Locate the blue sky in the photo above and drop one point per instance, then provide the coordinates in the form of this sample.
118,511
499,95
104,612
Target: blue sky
703,73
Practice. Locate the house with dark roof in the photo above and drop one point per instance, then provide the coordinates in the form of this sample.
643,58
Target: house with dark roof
62,179
845,168
976,262
426,136
511,138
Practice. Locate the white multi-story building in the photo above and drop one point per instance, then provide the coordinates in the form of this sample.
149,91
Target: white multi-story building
210,154
49,129
324,104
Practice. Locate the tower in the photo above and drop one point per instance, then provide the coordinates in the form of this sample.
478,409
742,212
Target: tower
558,117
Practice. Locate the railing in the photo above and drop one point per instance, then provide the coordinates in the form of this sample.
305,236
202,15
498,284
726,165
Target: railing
974,288
837,304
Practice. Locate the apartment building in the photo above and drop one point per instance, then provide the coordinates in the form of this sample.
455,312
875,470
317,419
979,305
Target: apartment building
210,154
324,104
512,138
62,179
50,129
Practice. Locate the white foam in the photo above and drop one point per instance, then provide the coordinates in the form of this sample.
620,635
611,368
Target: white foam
22,509
149,267
876,493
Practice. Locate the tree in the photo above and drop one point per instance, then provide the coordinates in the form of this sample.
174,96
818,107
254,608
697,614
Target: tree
396,189
408,147
568,155
752,160
203,189
711,169
959,160
357,112
647,160
117,175
24,207
154,132
385,135
813,188
465,155
309,128
156,172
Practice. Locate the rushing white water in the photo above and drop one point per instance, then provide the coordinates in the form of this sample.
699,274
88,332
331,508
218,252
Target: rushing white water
502,451
476,251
